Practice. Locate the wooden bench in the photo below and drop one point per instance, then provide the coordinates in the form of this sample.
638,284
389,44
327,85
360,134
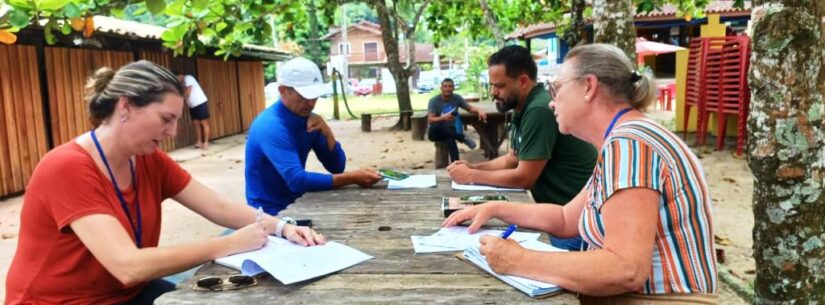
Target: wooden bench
418,123
366,119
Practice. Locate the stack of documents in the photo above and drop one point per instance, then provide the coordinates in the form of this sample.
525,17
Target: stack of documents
292,263
532,288
413,181
480,187
454,239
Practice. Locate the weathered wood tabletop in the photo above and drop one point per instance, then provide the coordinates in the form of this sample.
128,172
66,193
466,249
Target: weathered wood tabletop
378,222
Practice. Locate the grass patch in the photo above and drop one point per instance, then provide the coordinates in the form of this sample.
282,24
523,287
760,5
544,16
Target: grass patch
381,104
387,103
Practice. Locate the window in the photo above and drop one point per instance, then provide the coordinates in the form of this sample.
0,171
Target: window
341,49
370,51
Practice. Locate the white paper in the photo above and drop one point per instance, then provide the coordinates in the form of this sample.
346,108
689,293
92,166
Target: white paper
413,181
453,239
292,263
420,247
528,286
480,187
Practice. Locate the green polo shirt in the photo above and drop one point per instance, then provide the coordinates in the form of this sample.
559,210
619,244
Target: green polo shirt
534,135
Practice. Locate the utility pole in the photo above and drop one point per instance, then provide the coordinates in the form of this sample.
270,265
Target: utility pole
344,50
314,42
274,31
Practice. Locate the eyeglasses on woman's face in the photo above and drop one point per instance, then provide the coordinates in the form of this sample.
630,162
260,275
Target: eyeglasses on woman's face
556,86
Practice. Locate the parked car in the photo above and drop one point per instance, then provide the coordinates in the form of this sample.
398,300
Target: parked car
423,87
364,87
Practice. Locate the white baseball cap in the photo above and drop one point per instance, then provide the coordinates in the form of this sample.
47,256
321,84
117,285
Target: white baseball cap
304,76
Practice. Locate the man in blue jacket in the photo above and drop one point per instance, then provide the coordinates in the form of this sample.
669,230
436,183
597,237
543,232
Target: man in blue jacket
281,137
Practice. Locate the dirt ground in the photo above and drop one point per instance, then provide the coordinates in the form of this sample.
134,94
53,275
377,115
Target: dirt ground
222,169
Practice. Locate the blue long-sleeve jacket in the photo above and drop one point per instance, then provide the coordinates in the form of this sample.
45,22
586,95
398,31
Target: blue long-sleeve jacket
276,155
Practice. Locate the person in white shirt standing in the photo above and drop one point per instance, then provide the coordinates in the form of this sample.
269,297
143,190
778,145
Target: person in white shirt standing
198,110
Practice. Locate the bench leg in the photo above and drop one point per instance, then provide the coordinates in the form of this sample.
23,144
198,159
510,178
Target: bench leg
442,155
366,122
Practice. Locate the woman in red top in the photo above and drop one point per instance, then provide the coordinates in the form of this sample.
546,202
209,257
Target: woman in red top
91,216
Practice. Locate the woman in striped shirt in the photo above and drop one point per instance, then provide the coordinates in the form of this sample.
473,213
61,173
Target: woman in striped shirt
645,212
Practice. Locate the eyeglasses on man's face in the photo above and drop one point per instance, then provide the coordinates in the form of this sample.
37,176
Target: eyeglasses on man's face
217,283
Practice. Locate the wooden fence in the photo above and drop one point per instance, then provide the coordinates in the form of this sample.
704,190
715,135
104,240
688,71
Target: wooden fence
22,130
219,80
251,81
67,71
235,91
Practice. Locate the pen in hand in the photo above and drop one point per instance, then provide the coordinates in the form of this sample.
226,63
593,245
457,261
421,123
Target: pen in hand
510,230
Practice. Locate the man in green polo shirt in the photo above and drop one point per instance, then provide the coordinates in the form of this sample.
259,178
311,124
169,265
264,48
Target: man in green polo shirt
554,166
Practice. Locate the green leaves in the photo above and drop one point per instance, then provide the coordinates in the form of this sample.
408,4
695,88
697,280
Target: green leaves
19,18
155,6
71,10
47,31
200,4
21,4
193,25
48,5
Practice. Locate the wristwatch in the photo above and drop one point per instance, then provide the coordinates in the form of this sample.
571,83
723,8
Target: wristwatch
279,230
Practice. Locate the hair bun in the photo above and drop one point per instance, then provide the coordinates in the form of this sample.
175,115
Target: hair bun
98,82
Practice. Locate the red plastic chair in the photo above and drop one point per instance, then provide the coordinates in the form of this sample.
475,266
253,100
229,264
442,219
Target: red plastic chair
671,90
728,92
666,94
694,86
709,82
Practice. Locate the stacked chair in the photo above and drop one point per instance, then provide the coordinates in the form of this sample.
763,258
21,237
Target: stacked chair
717,83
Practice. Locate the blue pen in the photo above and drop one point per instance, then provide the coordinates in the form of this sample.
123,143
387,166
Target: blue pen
510,230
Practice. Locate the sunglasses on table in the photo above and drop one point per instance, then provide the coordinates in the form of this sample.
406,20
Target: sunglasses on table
221,283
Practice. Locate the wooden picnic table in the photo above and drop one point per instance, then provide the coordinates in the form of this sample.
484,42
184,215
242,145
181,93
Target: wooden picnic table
491,133
379,222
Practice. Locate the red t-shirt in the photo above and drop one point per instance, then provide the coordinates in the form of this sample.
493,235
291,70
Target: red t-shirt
52,265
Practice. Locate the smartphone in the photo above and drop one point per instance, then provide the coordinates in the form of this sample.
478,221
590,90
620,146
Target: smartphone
451,204
392,174
483,198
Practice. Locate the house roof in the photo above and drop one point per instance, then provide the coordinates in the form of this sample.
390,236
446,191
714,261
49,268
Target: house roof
423,51
137,30
666,12
363,25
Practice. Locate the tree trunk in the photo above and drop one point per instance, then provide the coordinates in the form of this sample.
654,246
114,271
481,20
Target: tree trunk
490,18
389,35
575,33
614,25
314,42
787,151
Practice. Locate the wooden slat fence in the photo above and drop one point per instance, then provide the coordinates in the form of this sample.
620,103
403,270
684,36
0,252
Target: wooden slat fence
235,91
67,71
251,82
23,139
219,81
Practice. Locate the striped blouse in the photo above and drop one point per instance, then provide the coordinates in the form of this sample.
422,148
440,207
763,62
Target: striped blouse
641,153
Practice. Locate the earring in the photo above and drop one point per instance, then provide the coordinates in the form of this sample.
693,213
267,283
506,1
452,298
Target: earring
123,119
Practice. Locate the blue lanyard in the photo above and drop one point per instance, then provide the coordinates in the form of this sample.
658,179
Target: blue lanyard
139,228
615,118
